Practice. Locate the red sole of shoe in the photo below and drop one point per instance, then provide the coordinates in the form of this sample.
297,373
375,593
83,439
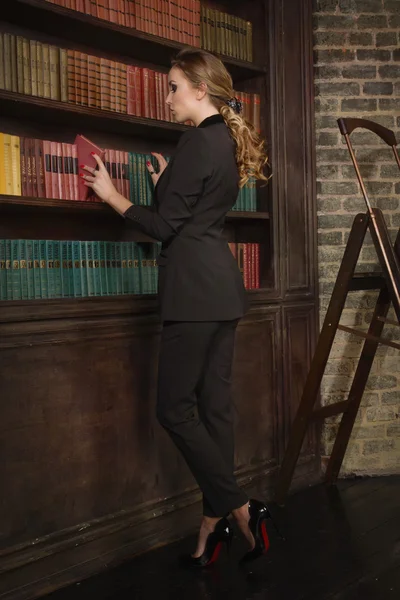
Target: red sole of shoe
215,554
265,537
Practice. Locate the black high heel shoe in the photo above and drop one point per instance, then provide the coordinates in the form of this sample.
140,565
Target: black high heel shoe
259,513
222,534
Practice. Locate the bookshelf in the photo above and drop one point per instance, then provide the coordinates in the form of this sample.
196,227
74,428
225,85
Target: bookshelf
92,360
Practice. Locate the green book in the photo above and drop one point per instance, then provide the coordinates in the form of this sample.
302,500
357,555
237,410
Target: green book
65,280
15,270
136,269
44,286
23,269
103,269
57,269
118,271
37,277
30,268
84,270
96,269
8,270
3,274
50,269
89,268
76,269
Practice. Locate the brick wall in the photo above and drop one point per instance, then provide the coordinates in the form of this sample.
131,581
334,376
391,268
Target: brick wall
357,73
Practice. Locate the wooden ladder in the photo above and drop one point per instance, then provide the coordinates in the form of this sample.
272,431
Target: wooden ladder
388,282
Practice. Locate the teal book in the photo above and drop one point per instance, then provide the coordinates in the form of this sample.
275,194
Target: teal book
15,270
57,269
89,268
37,282
30,269
70,270
124,269
142,179
109,269
3,274
117,251
8,270
103,269
76,269
23,270
65,289
50,269
43,269
129,261
96,268
136,269
84,274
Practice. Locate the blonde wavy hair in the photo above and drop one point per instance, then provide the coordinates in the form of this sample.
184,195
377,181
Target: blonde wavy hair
199,67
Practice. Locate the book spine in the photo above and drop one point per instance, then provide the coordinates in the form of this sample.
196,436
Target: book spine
63,59
33,66
16,165
44,284
57,269
29,269
96,268
65,281
36,270
23,270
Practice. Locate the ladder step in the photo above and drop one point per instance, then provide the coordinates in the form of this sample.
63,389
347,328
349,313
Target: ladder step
367,336
330,410
366,281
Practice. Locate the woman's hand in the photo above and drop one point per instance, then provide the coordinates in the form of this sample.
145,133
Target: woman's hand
162,164
99,180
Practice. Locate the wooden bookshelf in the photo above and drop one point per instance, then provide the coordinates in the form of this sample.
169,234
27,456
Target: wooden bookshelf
89,474
81,117
46,205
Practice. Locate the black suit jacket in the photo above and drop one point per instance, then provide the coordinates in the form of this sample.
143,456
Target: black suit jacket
199,279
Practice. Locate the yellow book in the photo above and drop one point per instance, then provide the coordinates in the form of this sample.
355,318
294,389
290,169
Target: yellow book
8,164
16,165
2,170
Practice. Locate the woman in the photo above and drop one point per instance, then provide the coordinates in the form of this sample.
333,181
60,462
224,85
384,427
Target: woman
201,290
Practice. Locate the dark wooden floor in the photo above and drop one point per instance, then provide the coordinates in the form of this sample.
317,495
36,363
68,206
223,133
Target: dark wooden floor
342,544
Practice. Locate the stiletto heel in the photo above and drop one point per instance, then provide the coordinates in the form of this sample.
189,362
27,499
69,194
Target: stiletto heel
259,513
222,534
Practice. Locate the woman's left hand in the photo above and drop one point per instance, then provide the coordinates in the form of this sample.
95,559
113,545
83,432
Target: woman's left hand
99,180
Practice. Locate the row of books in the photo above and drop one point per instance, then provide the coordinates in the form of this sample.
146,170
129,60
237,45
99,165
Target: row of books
177,20
48,169
40,269
34,68
248,259
184,21
226,34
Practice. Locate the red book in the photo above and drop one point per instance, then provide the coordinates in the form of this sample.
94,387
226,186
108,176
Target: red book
257,265
84,149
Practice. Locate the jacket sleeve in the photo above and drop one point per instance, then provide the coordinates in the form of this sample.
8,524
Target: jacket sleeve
190,168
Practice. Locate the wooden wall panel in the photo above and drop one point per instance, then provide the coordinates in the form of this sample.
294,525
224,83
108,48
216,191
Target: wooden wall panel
299,342
257,389
293,146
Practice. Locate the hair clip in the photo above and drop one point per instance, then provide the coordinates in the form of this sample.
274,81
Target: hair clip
235,104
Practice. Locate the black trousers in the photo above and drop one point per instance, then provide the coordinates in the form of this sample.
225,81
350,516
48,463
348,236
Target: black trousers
194,405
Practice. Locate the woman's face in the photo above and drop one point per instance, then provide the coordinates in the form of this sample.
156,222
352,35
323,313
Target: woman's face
183,97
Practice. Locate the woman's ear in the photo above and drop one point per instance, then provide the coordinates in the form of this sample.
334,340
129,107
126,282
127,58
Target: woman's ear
201,90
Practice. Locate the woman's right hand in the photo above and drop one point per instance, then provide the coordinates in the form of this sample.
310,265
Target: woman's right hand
162,164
